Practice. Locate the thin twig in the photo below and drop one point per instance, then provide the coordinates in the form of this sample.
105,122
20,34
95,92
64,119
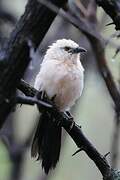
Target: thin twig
112,8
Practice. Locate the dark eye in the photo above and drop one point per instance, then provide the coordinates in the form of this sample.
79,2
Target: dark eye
67,48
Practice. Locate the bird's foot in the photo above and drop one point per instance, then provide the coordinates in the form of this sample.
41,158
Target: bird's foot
57,122
53,98
43,95
69,115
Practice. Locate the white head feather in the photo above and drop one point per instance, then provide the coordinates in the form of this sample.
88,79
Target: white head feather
57,50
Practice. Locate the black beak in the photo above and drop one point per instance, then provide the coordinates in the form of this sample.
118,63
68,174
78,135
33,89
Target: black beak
78,50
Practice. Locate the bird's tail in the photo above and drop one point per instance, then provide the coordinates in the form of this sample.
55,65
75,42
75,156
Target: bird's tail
47,142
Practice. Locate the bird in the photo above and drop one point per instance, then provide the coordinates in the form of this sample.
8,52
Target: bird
61,77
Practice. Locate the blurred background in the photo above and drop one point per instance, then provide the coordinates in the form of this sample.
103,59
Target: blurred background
94,111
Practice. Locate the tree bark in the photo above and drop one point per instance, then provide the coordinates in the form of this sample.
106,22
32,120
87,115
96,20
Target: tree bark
15,57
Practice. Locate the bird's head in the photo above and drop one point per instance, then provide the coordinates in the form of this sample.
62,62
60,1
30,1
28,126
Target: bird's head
64,49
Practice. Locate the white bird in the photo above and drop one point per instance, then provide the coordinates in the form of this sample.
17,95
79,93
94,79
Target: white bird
61,76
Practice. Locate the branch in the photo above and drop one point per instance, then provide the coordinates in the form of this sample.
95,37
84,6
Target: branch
26,88
78,23
33,26
16,150
112,8
78,137
32,101
97,44
99,52
98,47
105,72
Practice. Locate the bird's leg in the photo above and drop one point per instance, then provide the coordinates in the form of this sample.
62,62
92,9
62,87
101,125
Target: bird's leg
43,95
58,123
69,115
53,98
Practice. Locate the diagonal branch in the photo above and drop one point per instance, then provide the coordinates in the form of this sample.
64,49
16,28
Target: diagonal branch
105,72
78,23
77,135
112,8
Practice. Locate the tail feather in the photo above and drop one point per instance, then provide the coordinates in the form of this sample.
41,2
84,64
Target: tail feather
47,142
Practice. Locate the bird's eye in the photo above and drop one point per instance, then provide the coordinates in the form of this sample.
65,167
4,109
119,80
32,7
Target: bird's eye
67,48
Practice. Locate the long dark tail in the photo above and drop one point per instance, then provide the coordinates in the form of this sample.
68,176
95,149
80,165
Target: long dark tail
47,142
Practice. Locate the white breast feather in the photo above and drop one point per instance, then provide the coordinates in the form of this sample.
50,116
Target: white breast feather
57,78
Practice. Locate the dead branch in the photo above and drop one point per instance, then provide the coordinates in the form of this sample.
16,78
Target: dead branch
98,48
77,135
99,51
112,8
82,25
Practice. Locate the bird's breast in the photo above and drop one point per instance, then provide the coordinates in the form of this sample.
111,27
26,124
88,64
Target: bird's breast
70,88
63,80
